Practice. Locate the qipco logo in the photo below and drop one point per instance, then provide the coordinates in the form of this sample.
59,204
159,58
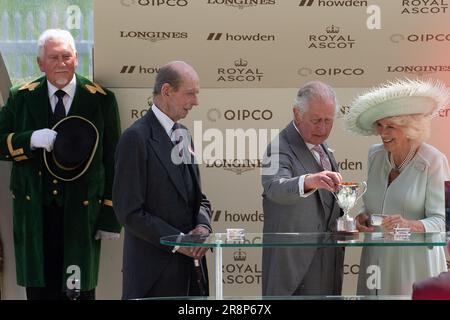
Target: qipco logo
305,71
155,3
240,114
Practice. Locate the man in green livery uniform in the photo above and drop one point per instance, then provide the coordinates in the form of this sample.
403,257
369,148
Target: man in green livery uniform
59,220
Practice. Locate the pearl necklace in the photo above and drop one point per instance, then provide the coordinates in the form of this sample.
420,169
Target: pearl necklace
405,161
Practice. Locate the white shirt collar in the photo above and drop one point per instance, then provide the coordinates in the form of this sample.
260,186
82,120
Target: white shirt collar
165,121
69,89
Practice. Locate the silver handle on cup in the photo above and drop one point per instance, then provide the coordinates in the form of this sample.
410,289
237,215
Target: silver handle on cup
362,193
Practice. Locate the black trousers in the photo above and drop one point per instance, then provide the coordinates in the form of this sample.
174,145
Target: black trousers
168,285
53,237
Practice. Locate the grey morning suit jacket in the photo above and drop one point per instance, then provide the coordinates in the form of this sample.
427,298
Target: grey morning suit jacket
284,269
151,201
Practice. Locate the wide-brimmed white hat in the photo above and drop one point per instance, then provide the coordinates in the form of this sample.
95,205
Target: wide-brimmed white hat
395,98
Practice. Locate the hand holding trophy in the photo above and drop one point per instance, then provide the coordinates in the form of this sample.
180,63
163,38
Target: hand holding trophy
347,193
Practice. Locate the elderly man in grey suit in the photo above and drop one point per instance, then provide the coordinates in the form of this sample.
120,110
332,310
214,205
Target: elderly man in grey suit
300,175
155,194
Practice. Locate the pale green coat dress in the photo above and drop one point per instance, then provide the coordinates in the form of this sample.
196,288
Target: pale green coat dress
417,194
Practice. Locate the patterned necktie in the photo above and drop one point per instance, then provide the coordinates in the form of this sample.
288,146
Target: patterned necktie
177,138
324,161
60,111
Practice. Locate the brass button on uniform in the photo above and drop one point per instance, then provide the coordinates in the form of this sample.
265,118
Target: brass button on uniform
40,173
100,201
55,192
55,181
13,196
7,157
85,202
28,198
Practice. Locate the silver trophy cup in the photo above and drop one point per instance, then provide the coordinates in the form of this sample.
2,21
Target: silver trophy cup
347,194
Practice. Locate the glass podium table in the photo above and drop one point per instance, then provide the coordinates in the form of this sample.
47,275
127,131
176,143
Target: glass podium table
218,241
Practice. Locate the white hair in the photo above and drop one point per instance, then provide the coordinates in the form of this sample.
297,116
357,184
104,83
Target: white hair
57,35
315,90
416,127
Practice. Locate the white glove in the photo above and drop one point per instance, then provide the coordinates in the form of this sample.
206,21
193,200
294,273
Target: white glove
43,138
105,235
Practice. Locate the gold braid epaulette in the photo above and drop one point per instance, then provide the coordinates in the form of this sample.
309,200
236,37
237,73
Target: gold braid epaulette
29,85
95,88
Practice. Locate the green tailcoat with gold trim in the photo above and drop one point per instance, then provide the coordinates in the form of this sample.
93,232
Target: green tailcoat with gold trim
86,201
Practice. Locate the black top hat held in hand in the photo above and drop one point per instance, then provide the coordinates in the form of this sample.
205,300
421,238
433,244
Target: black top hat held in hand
74,148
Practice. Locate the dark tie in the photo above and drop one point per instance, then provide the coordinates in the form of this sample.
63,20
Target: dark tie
60,111
324,161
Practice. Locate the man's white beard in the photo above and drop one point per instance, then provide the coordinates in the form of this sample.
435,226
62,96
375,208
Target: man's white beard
62,81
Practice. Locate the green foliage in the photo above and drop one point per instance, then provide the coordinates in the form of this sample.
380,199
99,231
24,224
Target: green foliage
19,66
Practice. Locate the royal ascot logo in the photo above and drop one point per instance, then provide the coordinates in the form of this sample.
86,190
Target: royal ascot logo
154,36
228,216
154,3
239,272
330,72
240,72
256,37
241,114
343,110
420,38
424,6
237,166
239,255
331,39
333,3
418,70
137,113
130,69
242,4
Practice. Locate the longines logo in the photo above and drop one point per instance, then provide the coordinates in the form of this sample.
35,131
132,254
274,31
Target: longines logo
138,69
420,38
256,37
240,71
238,166
242,4
331,39
154,36
228,216
215,114
424,6
333,3
154,3
240,272
334,72
418,70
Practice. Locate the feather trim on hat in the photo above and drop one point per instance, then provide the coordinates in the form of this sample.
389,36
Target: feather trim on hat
404,96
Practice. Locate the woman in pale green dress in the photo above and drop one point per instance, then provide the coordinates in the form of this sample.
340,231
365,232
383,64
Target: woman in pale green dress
405,182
